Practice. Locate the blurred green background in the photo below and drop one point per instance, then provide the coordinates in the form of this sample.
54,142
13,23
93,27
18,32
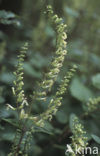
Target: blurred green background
25,20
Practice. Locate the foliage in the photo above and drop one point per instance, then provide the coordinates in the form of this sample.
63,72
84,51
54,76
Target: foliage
28,21
46,85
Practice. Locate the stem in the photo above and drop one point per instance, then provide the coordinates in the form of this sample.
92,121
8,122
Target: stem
20,141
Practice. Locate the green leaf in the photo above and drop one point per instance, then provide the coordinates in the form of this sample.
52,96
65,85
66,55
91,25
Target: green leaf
79,90
43,130
71,12
6,14
7,17
48,127
7,77
31,71
39,61
62,117
96,138
96,80
95,60
8,136
11,121
49,31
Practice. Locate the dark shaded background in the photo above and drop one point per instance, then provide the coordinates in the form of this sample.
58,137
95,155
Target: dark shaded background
31,24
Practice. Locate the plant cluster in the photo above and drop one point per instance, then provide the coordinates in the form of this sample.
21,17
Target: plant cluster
36,111
24,134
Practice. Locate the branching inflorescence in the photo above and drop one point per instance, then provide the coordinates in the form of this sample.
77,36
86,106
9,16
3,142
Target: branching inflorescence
58,60
45,85
56,101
